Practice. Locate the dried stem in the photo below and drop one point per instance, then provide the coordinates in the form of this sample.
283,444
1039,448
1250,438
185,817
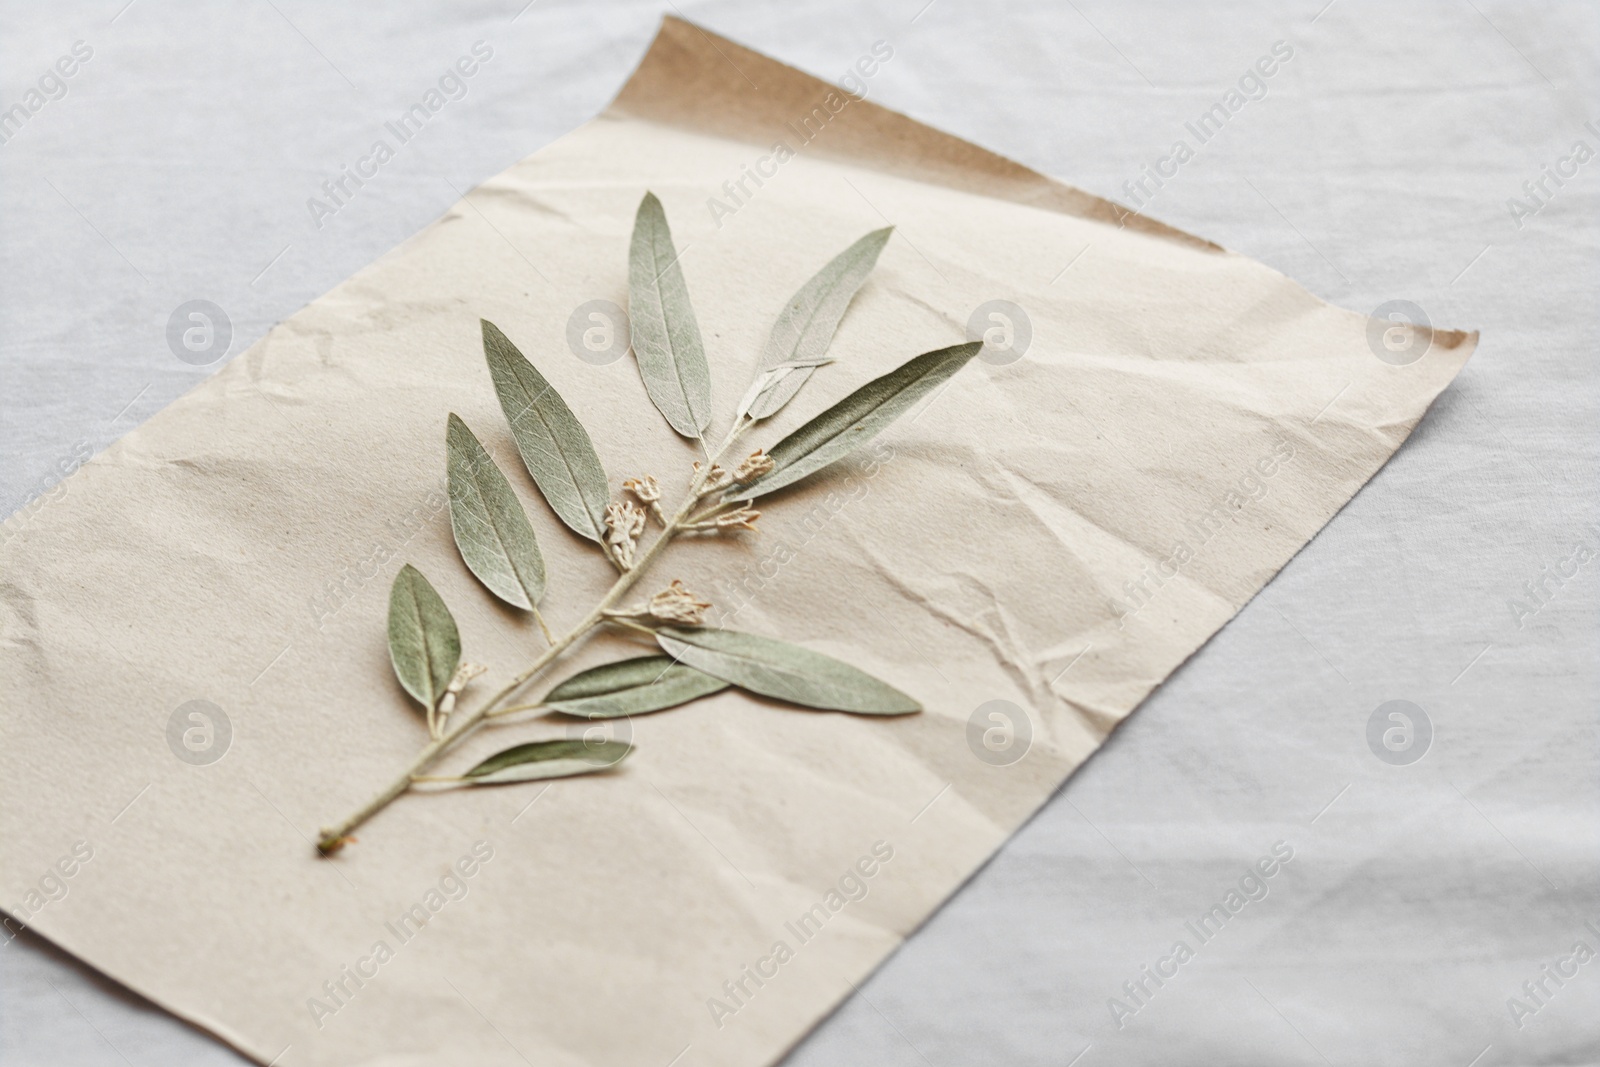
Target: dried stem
513,709
335,837
549,638
623,620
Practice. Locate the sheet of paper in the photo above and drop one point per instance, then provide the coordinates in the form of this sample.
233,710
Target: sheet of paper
192,637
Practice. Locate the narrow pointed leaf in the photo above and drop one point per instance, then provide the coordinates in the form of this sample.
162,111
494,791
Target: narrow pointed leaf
856,419
783,671
424,644
492,531
631,687
553,443
666,338
806,326
548,759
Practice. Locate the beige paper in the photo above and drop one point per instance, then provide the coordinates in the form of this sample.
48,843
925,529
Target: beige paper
1059,532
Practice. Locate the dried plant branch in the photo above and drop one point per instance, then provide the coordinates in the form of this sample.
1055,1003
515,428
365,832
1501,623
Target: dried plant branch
498,544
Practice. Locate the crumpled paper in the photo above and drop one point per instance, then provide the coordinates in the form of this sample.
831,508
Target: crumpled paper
192,639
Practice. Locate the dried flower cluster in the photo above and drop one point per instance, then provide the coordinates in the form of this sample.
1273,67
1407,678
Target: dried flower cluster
624,524
678,606
648,494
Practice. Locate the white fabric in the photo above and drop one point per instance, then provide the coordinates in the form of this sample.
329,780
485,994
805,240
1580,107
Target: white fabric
1377,166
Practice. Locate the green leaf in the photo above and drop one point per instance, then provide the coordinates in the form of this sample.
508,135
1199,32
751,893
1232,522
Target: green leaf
785,672
666,338
553,443
856,419
800,338
492,531
548,759
424,644
631,687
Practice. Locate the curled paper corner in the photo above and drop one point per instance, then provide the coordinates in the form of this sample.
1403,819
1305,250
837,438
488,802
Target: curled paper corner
693,78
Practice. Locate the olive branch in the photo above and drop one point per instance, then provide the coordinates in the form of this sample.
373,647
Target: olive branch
497,541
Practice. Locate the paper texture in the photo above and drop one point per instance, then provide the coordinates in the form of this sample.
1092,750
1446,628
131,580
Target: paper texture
1058,531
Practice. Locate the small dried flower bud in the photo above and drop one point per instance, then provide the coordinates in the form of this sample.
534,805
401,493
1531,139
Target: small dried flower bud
644,488
465,673
717,479
743,518
754,466
677,605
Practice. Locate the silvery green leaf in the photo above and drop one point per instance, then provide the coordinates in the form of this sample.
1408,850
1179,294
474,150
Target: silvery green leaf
553,443
783,671
631,687
424,644
856,419
800,337
548,759
666,338
492,531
